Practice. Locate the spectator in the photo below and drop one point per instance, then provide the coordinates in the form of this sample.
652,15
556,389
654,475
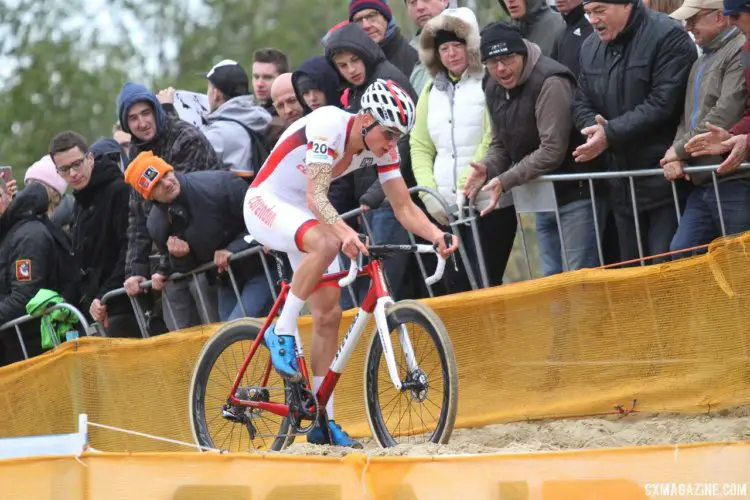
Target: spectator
717,140
376,18
44,168
28,259
567,48
536,20
285,100
236,125
197,218
185,148
421,11
716,94
628,105
359,61
45,173
448,134
268,64
124,140
99,230
316,84
529,98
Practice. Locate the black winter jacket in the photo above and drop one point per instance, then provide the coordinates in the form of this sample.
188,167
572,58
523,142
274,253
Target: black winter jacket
567,49
637,82
27,252
400,53
362,187
208,215
99,234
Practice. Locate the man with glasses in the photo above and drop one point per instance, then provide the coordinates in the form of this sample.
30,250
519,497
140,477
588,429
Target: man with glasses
376,18
716,94
528,98
98,230
718,140
631,91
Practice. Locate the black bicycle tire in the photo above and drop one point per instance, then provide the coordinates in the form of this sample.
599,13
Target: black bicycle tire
402,312
229,333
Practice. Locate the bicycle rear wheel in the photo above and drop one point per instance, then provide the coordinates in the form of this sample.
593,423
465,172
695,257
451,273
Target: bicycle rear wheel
424,411
237,428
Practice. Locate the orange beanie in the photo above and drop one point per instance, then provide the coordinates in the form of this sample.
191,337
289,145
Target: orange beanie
144,173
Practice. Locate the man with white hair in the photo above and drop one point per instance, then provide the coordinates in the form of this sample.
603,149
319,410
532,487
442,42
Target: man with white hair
631,90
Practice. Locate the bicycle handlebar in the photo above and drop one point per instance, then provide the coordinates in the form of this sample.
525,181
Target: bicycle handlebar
430,280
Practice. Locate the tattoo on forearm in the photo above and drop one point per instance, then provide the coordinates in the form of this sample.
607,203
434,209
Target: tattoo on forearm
320,175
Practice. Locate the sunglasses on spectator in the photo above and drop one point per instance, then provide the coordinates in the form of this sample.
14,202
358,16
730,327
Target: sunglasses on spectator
76,165
692,20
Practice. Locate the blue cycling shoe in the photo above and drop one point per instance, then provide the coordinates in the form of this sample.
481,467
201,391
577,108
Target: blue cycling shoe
339,437
283,353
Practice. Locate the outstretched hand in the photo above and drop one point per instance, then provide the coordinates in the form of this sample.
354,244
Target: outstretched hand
711,143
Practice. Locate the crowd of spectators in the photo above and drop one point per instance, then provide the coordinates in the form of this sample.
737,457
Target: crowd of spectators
579,87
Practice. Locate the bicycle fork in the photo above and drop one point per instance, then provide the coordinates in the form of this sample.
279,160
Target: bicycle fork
381,321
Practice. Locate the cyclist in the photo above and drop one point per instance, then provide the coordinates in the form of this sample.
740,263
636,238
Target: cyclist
287,209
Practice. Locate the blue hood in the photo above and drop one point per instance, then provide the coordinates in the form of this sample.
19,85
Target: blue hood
132,93
318,69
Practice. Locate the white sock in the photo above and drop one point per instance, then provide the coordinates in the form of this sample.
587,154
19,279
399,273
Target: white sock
287,323
317,382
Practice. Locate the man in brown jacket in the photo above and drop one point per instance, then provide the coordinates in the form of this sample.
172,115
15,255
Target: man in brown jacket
529,98
716,94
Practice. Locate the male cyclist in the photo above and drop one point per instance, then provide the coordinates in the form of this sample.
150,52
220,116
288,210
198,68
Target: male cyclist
287,209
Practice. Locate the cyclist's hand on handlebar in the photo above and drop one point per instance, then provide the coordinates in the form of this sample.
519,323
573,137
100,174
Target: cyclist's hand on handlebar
446,244
351,244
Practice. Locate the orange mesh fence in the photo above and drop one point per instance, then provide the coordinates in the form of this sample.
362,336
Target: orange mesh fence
673,336
698,471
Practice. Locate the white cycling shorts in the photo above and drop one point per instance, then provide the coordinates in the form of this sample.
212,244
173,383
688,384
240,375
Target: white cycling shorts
280,223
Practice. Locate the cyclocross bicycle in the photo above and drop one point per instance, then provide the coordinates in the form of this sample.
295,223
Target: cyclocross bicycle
238,401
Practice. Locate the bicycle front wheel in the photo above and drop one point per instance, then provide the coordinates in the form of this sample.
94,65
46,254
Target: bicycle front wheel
237,428
424,410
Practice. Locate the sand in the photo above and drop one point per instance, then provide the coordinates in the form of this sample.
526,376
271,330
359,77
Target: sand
566,434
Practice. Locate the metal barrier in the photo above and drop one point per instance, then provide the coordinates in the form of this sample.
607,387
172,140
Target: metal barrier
538,196
16,323
142,317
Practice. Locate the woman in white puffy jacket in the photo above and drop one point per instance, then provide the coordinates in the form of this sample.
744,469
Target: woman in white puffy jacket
452,130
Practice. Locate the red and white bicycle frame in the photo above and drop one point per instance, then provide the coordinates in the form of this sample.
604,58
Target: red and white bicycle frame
375,303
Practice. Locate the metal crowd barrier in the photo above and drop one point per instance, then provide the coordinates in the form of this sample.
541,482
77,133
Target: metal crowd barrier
142,318
16,324
538,196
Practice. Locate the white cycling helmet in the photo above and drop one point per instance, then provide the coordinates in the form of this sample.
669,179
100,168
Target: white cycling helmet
390,105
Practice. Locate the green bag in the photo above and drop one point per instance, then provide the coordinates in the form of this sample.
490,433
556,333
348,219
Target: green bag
56,324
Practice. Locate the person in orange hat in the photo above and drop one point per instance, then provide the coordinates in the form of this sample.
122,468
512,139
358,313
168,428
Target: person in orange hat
197,218
153,178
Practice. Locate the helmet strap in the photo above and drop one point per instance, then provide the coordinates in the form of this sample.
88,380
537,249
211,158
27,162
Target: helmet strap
365,131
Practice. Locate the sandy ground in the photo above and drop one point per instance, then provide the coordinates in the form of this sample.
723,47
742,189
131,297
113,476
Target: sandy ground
568,434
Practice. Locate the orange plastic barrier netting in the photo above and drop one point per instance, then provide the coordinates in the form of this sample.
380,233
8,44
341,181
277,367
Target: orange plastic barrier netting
624,474
674,337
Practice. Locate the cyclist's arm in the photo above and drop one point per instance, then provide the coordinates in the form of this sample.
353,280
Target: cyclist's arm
318,183
407,213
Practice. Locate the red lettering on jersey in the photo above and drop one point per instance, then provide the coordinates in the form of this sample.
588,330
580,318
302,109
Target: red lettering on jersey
263,212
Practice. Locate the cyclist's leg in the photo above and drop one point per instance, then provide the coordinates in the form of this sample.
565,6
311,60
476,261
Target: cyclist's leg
326,312
311,247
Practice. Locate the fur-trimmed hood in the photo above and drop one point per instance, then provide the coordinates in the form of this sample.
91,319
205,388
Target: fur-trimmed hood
463,23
